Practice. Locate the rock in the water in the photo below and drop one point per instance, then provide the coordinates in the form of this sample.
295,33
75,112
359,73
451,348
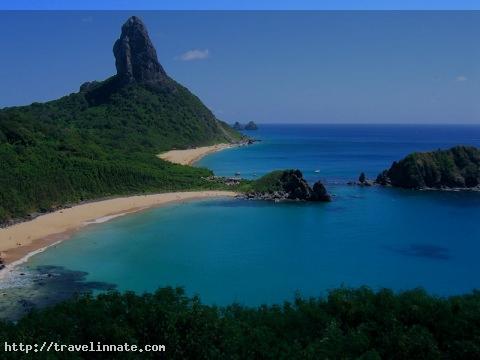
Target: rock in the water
362,181
320,192
251,126
295,185
456,168
362,178
287,185
238,126
135,57
383,179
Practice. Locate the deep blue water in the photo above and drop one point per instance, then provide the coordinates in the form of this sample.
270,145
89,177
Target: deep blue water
256,252
340,152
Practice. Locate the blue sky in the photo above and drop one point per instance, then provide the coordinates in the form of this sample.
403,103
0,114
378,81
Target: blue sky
241,4
332,67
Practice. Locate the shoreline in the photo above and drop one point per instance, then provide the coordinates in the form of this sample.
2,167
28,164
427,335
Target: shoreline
20,241
191,156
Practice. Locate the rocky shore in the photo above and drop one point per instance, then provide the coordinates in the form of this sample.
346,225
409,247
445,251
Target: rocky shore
287,185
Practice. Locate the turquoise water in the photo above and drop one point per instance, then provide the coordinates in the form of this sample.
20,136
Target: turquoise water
258,252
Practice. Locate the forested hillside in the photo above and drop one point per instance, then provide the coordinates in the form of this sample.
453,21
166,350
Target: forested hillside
458,167
104,139
347,324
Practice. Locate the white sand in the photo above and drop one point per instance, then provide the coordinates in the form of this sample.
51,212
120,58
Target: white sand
189,156
18,240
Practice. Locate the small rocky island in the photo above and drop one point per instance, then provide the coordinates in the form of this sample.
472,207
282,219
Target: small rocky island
455,168
287,185
238,126
362,181
249,126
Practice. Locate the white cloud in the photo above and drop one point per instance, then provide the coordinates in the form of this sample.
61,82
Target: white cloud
195,54
461,78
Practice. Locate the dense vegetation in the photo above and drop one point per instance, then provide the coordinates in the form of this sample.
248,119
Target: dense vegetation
347,324
269,182
101,141
458,167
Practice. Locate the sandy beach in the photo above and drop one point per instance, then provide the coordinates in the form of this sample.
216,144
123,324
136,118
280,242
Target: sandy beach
190,156
19,240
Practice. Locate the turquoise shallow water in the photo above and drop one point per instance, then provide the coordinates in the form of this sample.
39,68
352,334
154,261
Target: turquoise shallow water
256,252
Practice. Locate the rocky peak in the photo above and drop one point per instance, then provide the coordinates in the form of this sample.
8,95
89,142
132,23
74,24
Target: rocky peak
135,57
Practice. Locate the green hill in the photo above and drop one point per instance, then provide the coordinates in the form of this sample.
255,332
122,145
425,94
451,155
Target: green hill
458,167
104,139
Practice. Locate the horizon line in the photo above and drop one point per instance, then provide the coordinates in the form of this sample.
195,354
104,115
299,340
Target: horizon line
365,123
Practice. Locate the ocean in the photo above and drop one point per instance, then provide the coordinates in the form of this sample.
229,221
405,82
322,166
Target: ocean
254,252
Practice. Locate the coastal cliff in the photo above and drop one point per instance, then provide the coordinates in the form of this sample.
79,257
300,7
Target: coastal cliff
455,168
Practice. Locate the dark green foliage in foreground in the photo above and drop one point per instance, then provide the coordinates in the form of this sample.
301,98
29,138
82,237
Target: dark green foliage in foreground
99,142
458,167
348,324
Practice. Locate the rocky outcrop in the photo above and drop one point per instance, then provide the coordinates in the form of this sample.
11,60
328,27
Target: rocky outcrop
135,56
455,168
251,126
362,178
362,181
320,192
287,185
238,126
293,183
383,178
228,181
